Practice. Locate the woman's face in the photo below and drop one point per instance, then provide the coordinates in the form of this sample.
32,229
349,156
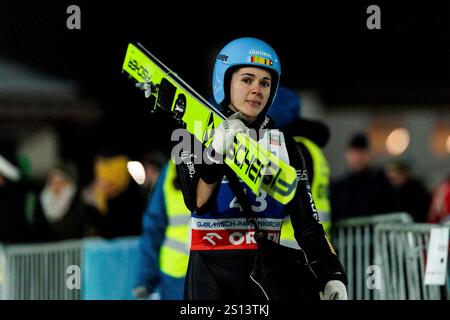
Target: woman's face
250,90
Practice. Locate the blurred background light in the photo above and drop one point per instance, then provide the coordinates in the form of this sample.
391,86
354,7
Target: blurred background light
448,144
137,171
397,141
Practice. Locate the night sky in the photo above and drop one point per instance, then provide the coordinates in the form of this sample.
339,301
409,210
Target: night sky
321,44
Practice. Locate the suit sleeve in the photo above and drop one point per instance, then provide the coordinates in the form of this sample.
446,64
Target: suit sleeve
308,231
191,166
187,154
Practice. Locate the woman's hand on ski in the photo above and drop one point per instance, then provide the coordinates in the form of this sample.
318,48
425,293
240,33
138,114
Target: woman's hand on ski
226,131
146,87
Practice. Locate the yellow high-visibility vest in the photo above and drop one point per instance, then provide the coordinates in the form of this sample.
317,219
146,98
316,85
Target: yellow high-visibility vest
320,187
174,255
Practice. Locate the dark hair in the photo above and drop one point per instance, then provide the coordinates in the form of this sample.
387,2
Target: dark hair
359,141
399,166
69,169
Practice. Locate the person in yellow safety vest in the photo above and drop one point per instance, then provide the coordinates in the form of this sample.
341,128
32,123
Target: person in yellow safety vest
165,240
320,182
311,136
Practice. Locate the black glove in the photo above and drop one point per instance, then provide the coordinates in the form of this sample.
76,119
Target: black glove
327,269
213,171
321,257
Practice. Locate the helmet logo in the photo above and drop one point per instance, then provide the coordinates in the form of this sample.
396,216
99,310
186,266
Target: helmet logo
261,53
261,60
222,57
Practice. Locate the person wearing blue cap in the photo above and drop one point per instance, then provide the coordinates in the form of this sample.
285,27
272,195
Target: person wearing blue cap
311,136
245,81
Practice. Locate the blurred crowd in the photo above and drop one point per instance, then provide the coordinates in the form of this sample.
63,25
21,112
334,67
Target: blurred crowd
393,187
113,203
60,208
368,190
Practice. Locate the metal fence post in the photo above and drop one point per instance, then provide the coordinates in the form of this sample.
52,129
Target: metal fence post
354,240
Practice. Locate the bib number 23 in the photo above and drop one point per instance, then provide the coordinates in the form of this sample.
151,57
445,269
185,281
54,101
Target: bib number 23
259,206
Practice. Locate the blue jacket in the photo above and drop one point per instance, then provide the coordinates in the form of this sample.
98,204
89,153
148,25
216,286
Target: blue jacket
154,223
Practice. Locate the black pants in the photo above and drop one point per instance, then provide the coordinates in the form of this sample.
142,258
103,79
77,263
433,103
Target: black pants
221,275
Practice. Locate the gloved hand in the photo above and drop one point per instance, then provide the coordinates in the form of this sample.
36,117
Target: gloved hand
146,87
142,293
334,290
225,132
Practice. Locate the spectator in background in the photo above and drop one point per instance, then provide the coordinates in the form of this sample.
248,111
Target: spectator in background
16,198
439,211
114,201
311,136
412,195
364,190
153,161
60,213
164,244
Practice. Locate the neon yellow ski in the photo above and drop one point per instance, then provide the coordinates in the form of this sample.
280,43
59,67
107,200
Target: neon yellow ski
255,166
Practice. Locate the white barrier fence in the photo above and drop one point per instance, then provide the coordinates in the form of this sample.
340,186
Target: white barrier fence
353,240
39,271
385,258
401,252
391,244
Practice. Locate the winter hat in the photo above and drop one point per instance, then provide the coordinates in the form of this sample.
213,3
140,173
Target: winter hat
285,108
68,169
359,141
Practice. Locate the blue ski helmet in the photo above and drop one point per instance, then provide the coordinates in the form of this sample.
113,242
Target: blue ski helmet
240,52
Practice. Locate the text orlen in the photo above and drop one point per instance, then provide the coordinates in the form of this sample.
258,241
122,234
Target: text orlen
228,239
